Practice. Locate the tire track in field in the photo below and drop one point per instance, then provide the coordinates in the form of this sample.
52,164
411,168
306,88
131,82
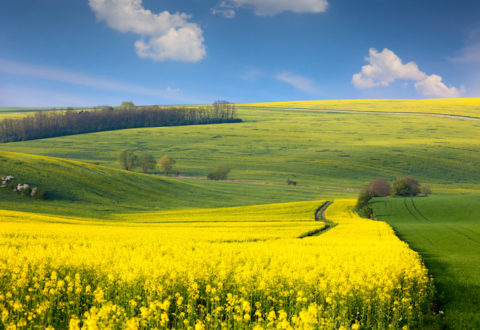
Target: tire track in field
417,210
408,209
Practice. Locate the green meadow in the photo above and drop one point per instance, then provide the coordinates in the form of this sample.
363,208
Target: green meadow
446,232
321,149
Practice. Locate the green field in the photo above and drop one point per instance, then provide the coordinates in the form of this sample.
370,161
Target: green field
446,232
324,149
85,190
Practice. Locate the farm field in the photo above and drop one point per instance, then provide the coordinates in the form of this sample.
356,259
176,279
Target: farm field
323,149
85,190
123,249
211,274
468,107
445,230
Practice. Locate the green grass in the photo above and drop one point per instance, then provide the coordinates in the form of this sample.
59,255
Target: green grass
324,149
445,230
86,190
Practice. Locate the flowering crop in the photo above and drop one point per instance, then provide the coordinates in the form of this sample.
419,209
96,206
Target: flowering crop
218,273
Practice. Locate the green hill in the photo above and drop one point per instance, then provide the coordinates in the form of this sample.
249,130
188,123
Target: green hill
81,189
445,230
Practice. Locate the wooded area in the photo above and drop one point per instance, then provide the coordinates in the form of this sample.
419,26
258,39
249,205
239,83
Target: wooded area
50,124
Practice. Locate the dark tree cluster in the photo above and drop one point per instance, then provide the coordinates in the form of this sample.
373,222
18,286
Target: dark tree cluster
402,187
50,124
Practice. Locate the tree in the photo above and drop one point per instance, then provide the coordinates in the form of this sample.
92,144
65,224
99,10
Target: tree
379,188
425,190
127,105
128,160
147,162
220,173
405,187
166,163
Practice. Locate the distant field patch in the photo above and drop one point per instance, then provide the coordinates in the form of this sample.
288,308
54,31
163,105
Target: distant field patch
468,107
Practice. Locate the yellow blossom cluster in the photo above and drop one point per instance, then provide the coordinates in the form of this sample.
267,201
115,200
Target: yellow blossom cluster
77,275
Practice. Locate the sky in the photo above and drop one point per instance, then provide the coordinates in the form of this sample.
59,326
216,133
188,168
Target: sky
103,52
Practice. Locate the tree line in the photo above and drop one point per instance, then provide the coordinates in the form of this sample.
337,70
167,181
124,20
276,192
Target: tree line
51,124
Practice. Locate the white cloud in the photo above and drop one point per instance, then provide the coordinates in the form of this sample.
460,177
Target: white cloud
385,67
433,86
55,74
164,36
270,7
299,82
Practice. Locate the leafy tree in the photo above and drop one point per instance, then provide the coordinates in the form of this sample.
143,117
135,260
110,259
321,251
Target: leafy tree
128,160
425,190
220,173
405,187
147,162
127,105
166,163
379,188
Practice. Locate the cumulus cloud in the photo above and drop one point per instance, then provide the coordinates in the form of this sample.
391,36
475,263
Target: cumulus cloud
299,82
433,86
164,36
227,8
385,67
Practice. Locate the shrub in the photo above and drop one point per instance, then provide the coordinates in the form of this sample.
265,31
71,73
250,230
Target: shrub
220,173
425,190
405,187
363,198
379,188
367,212
291,182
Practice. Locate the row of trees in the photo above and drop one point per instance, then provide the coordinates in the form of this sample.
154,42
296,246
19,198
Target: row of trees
406,186
130,160
49,124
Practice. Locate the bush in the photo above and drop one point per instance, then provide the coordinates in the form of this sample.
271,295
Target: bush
405,187
220,173
367,212
379,188
425,190
363,198
291,182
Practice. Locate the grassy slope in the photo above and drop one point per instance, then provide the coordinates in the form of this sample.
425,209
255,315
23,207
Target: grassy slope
469,107
327,149
86,190
446,231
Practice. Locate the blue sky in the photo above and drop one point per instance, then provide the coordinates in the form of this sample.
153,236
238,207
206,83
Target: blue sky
94,52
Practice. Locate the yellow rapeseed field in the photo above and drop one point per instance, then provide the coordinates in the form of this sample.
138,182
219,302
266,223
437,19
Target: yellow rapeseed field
218,273
469,107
